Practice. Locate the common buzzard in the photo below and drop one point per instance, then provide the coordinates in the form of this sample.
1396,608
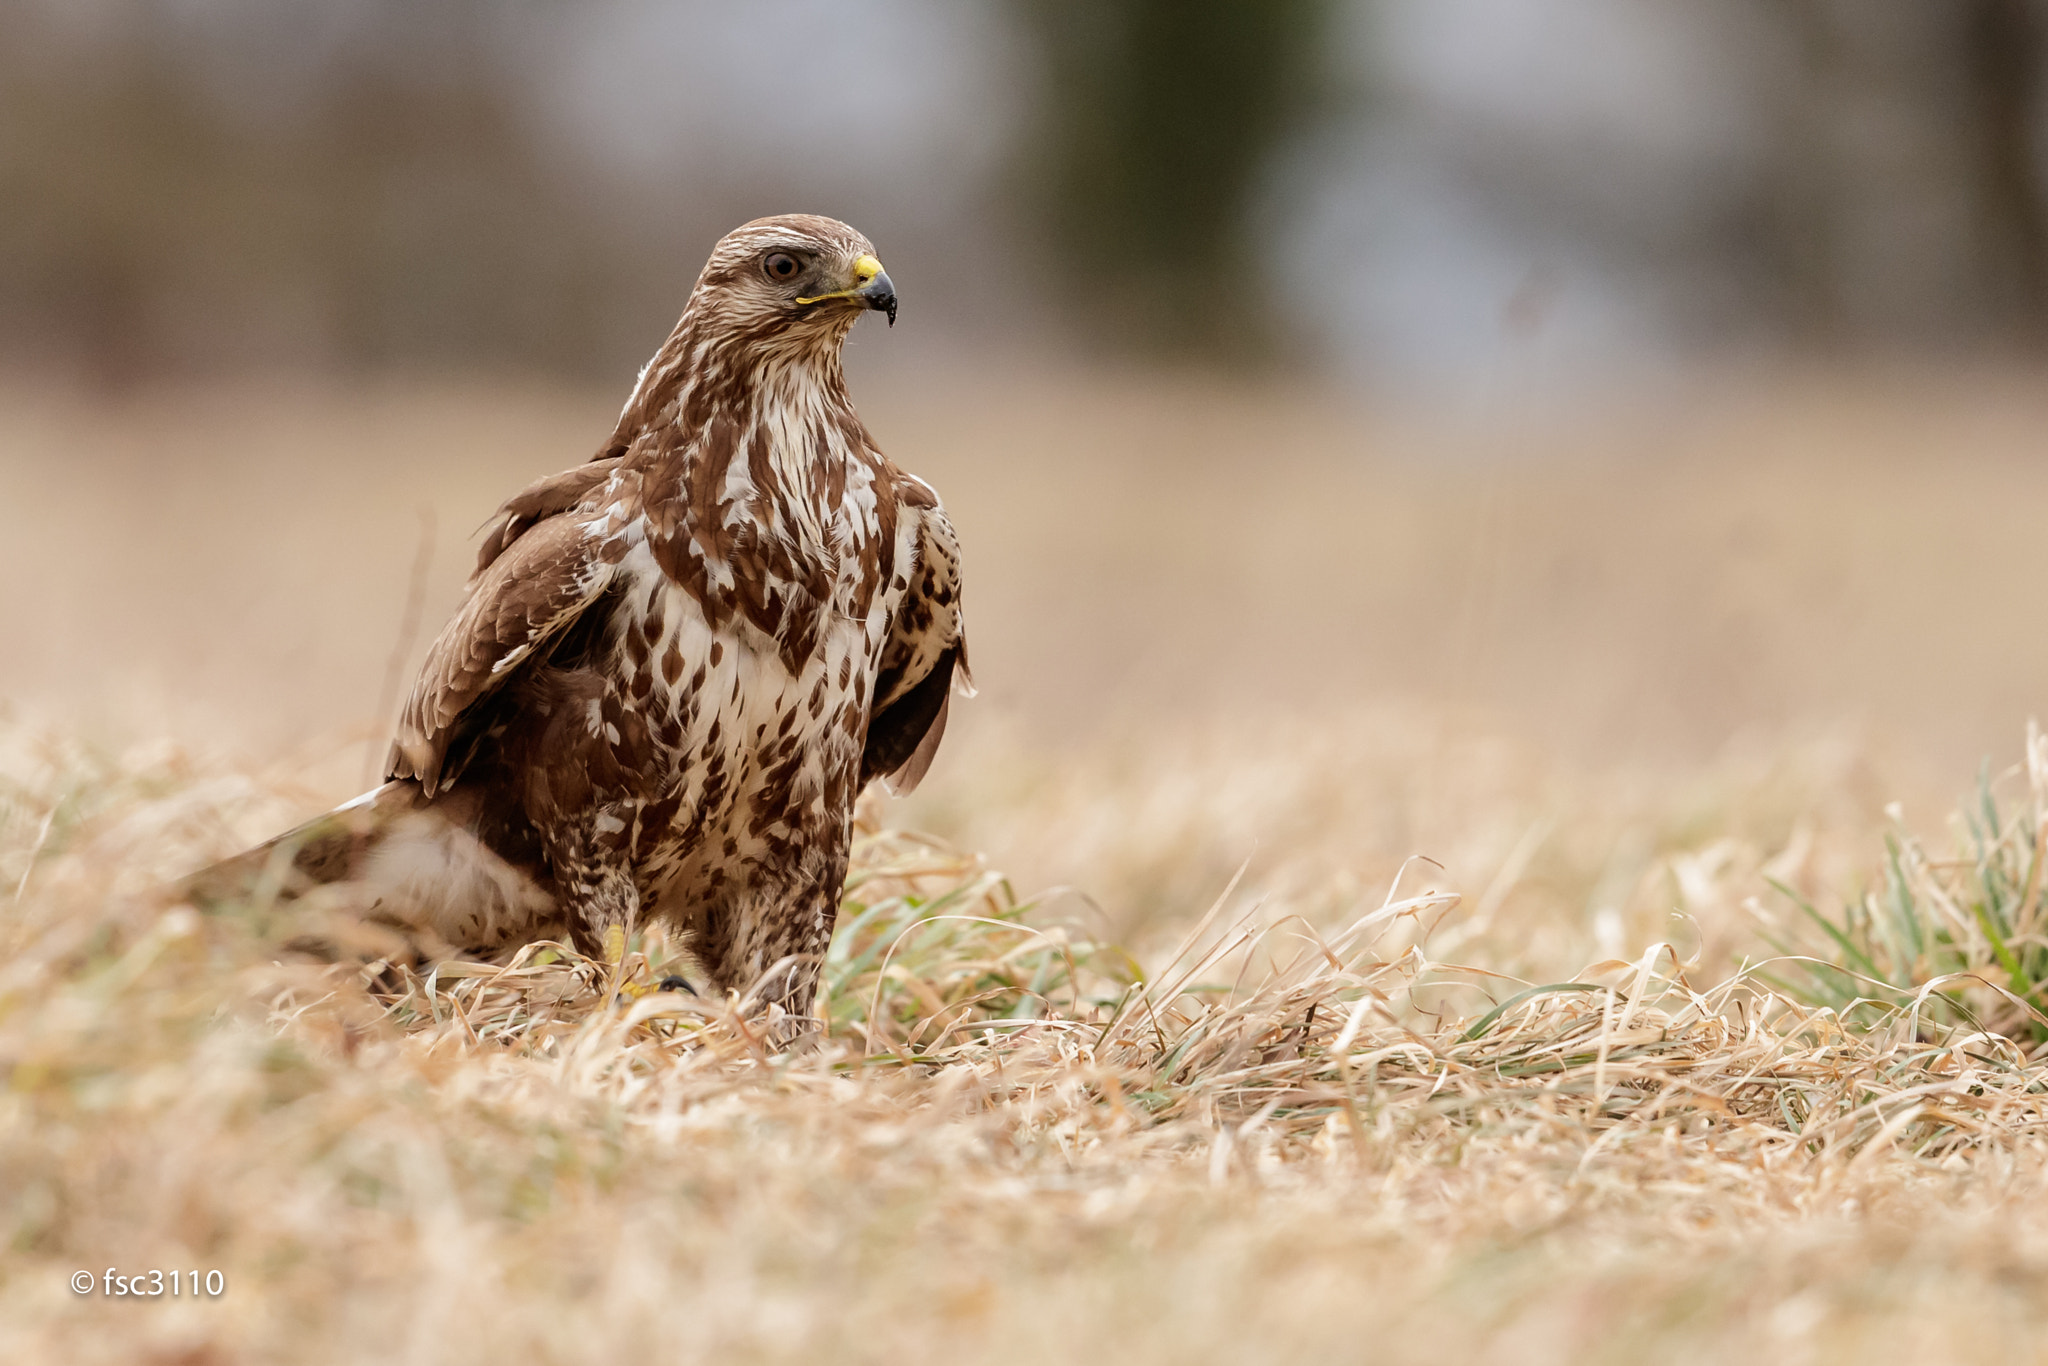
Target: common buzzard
680,662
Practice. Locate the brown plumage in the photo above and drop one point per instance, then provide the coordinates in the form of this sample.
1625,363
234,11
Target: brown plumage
679,663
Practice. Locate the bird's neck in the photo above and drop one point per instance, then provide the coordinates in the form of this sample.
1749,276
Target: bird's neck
779,411
700,372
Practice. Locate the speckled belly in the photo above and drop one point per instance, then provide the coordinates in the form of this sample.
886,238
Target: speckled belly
761,763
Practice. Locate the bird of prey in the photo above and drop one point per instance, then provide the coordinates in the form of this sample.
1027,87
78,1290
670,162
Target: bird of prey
680,662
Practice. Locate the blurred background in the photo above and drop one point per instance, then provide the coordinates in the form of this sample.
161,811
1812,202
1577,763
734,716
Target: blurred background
1392,190
1375,425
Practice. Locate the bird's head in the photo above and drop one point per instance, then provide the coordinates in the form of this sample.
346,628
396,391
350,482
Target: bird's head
796,276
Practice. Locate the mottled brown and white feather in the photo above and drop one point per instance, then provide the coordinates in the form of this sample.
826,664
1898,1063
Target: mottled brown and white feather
679,663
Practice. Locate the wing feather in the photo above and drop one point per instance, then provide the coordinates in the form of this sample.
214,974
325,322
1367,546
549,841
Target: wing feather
524,597
538,501
924,660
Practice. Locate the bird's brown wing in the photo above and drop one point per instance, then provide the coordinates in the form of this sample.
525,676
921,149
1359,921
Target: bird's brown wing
924,658
530,591
538,501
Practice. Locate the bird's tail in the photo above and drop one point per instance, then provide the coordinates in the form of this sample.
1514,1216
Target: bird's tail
330,848
391,861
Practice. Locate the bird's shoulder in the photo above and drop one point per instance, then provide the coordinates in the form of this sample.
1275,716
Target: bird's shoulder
568,491
911,492
924,655
546,575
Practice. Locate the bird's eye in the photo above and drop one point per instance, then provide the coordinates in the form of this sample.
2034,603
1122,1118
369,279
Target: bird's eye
781,265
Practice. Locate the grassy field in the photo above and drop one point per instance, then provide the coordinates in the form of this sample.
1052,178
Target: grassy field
1452,906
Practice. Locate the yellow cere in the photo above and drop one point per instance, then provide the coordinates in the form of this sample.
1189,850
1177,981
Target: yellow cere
864,270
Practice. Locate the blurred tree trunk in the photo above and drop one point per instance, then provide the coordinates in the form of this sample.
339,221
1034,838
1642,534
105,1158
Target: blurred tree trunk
1161,118
1909,193
2002,51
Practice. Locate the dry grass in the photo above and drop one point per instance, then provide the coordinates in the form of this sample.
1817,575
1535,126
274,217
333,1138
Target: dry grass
1606,705
1285,1135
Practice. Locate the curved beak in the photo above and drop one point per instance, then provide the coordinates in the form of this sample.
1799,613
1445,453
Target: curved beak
871,287
880,295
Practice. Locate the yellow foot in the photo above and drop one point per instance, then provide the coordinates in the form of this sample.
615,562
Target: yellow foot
615,961
633,991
